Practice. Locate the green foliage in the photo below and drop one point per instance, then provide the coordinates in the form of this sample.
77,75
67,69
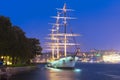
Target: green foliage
14,43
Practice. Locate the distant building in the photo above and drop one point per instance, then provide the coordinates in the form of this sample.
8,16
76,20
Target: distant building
100,56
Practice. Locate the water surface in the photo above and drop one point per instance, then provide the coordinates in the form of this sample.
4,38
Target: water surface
82,72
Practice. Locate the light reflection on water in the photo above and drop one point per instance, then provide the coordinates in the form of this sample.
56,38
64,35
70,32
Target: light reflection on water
49,74
58,74
84,72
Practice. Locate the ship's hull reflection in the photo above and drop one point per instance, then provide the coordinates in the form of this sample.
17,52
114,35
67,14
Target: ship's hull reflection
60,74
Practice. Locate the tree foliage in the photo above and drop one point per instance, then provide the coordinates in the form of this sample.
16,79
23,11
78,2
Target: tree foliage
14,43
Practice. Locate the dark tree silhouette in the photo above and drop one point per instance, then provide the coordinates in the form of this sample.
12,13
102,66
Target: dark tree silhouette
14,43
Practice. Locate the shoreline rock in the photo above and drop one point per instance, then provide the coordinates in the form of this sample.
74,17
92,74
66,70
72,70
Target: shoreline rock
7,72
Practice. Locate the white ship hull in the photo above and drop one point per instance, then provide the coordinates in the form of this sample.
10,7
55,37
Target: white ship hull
64,63
60,40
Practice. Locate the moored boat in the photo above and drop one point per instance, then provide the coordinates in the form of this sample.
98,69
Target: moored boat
60,40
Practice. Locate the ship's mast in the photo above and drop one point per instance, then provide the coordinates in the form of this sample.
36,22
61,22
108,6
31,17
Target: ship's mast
58,37
64,11
53,47
57,28
65,30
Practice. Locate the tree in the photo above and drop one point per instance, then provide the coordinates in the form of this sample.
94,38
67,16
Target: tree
35,46
5,33
14,43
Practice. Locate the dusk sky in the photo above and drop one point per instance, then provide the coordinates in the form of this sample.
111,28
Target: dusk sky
98,21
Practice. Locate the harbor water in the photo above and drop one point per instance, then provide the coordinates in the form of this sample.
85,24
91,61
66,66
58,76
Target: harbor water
83,71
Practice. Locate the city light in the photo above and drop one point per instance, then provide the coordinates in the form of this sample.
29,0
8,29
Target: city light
113,58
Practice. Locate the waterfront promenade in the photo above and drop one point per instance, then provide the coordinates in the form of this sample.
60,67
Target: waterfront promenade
7,72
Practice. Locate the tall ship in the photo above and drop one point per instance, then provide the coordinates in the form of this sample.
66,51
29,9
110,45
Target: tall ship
60,41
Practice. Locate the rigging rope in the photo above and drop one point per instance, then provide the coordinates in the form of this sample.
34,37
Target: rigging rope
76,46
